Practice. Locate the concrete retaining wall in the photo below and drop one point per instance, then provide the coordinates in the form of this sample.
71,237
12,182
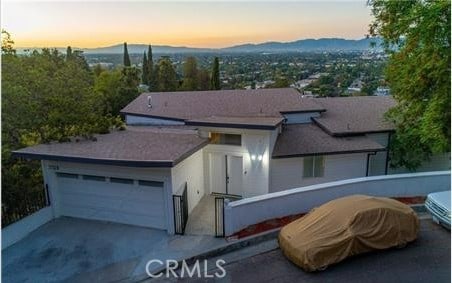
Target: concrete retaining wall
242,213
20,229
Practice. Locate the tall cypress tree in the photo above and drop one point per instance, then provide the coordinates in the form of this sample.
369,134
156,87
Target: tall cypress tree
145,70
68,53
152,76
126,56
215,78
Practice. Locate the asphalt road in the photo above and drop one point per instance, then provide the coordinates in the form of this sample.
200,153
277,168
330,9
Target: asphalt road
428,259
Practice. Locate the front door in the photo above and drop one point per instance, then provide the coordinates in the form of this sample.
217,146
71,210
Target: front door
234,175
226,174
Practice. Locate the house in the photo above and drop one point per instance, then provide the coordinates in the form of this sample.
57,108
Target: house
184,145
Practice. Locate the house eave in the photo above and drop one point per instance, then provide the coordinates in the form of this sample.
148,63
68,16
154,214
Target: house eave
152,116
327,153
351,133
233,125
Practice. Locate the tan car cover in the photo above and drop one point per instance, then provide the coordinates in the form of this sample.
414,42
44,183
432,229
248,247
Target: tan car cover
345,227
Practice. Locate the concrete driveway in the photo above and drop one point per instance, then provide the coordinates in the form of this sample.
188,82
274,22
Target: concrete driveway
76,250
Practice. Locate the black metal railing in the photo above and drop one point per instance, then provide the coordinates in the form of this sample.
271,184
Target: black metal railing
26,205
219,216
180,206
219,211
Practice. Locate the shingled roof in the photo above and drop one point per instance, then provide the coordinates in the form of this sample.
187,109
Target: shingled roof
354,115
135,146
307,139
221,103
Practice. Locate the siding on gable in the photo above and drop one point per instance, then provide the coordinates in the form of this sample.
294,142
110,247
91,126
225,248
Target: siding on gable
287,173
300,118
140,120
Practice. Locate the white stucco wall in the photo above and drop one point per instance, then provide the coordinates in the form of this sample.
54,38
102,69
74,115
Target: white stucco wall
377,162
139,120
255,178
287,173
191,171
242,213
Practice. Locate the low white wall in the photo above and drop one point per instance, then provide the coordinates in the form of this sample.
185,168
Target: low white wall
242,213
18,230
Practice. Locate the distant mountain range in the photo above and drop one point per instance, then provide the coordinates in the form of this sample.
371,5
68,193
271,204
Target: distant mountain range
304,45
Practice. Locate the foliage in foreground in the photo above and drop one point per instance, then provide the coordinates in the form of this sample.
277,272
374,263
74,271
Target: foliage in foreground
50,97
417,36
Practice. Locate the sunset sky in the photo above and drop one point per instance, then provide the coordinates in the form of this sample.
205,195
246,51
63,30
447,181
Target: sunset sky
197,24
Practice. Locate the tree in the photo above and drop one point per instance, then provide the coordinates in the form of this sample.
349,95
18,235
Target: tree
115,89
97,70
416,35
44,98
126,56
152,75
145,70
190,81
167,78
68,53
215,77
203,79
7,44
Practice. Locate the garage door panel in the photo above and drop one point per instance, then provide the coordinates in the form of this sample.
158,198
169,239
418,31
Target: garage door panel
88,197
114,190
123,203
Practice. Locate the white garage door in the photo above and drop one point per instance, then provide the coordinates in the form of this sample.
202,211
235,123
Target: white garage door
134,202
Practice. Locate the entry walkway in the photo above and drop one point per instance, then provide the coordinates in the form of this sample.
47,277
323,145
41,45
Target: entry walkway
201,220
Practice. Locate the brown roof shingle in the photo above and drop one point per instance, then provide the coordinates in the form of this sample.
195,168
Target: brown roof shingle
355,115
308,139
135,146
221,103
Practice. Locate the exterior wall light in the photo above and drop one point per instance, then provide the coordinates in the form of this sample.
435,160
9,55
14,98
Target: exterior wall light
259,157
253,157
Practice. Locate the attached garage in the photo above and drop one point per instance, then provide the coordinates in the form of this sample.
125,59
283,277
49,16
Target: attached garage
122,200
123,177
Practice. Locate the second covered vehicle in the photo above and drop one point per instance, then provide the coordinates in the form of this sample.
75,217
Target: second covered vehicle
345,227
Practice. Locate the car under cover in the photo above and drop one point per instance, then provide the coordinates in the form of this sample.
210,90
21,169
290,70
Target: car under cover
345,227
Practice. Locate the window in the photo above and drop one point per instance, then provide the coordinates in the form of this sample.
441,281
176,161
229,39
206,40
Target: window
228,139
313,166
67,175
150,183
93,178
121,181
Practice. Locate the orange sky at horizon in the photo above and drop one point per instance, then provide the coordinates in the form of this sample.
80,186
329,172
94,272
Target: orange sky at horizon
195,24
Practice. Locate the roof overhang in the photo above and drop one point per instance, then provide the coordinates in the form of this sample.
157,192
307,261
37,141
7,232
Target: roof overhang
350,133
232,125
328,153
109,161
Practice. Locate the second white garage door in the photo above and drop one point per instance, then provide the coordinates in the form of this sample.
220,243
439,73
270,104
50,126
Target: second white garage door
134,202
